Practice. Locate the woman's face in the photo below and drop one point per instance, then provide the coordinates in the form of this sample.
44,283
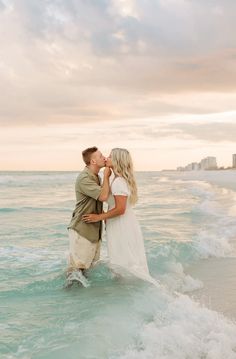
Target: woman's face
109,161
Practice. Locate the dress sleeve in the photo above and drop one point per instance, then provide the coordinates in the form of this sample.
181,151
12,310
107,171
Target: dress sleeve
119,187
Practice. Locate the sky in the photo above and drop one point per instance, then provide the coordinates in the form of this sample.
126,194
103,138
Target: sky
157,77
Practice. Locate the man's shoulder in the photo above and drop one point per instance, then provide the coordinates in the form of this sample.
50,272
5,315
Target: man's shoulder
84,176
81,177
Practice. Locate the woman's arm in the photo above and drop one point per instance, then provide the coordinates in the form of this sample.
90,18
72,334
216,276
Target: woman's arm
118,210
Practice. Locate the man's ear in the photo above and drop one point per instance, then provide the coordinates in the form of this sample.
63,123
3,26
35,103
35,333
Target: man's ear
93,162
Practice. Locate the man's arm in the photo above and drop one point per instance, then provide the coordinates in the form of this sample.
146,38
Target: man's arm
105,186
118,210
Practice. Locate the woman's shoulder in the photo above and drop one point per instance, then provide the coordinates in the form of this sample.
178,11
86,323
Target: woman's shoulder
119,179
120,184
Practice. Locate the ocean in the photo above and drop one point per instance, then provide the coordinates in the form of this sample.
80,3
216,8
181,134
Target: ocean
188,222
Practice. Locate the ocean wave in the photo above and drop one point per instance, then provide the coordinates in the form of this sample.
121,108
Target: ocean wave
25,179
163,179
44,209
216,244
176,279
216,232
8,209
217,239
184,329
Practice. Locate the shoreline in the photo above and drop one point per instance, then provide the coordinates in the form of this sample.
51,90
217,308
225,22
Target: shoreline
218,278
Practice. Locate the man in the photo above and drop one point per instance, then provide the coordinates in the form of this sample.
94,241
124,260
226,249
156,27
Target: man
85,238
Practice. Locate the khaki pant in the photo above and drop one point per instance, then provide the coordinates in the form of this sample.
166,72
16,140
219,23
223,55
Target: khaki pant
82,253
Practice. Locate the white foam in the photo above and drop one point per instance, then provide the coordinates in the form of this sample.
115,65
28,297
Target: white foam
217,226
213,245
185,330
176,279
163,179
225,179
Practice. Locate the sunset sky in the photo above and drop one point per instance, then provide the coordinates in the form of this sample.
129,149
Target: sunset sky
155,76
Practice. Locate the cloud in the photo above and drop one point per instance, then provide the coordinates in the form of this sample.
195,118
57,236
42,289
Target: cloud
2,5
154,145
209,132
76,61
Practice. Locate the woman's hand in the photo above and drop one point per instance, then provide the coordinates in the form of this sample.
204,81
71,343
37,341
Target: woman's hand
91,218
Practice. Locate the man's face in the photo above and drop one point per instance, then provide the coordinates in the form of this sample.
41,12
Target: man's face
98,159
109,161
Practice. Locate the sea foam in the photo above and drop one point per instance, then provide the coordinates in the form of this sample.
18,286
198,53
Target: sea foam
182,330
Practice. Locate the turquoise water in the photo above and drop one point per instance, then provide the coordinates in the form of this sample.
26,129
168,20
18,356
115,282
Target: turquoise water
183,220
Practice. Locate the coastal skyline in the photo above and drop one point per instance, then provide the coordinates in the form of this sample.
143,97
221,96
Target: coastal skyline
158,78
207,163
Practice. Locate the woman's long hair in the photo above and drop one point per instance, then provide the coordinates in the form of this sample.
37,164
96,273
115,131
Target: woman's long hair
123,166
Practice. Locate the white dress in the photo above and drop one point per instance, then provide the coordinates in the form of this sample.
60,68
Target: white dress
124,236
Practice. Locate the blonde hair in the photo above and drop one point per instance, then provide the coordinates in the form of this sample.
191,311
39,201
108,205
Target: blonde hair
123,166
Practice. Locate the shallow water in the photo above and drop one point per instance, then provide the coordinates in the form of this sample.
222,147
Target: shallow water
185,221
219,290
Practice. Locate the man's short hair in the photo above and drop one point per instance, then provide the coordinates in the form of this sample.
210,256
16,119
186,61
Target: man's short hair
86,154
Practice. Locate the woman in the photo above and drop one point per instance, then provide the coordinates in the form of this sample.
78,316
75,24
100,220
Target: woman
124,237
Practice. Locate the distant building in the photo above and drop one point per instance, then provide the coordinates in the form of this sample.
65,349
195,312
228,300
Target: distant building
180,169
188,167
234,161
208,163
194,166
